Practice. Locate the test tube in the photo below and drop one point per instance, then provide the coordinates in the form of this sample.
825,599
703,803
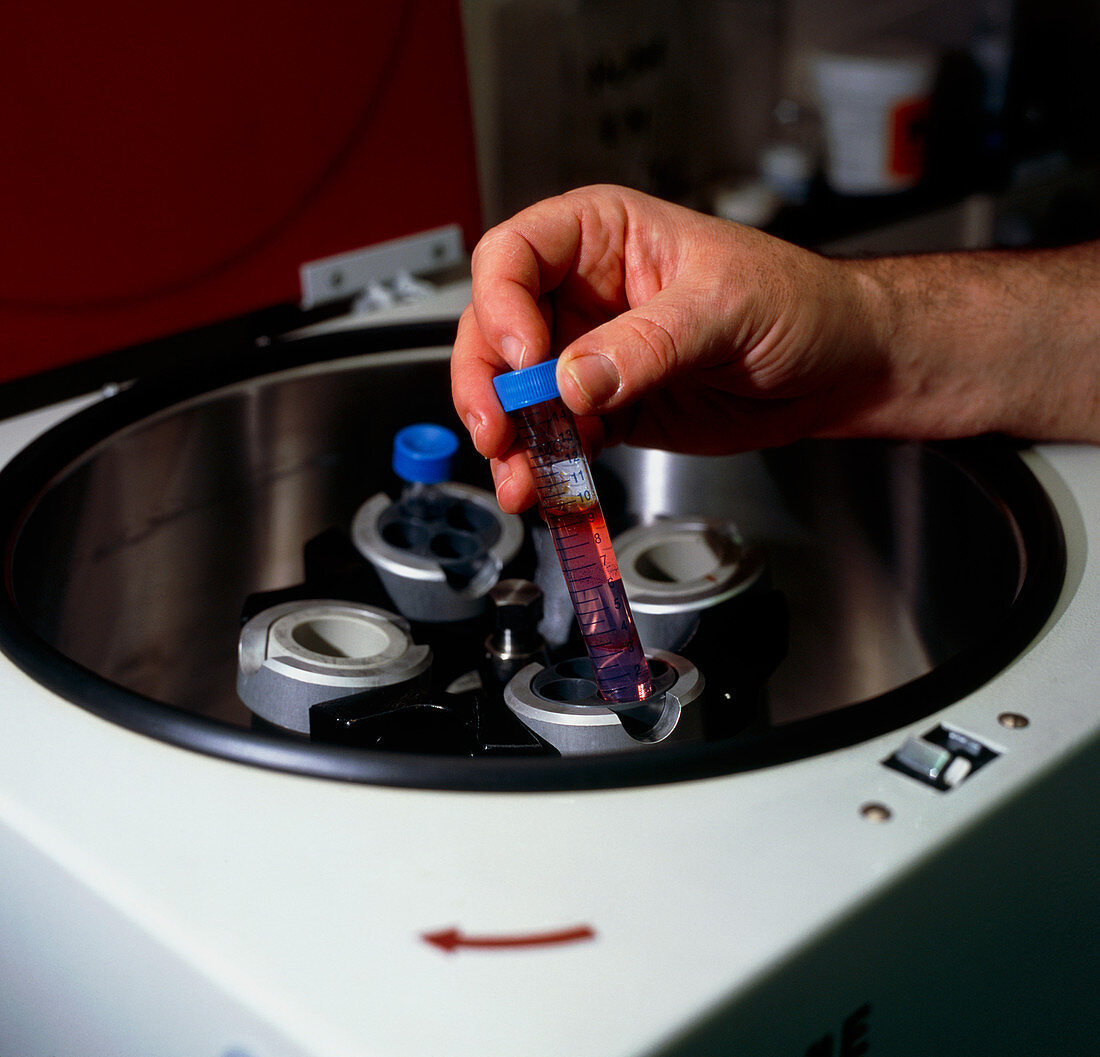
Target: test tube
571,509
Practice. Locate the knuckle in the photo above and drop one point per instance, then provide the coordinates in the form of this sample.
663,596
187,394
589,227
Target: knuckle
485,247
655,342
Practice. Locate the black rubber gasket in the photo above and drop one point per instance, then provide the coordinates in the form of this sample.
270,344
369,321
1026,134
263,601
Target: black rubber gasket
992,464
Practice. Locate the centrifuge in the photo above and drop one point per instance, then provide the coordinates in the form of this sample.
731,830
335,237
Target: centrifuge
301,755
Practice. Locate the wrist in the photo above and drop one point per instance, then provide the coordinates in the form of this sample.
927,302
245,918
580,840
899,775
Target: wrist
928,331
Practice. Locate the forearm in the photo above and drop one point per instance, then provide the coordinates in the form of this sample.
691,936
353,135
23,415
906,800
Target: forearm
1005,341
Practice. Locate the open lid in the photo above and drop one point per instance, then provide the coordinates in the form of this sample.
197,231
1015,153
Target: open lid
172,165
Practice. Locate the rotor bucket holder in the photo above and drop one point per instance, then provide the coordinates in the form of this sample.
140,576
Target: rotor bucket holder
561,705
438,560
299,654
675,569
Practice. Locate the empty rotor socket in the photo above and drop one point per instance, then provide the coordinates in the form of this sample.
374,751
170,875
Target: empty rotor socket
298,654
674,569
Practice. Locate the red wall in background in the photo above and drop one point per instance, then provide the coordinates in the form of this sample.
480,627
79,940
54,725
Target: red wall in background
165,165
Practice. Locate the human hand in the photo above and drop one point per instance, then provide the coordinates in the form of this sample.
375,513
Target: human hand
673,329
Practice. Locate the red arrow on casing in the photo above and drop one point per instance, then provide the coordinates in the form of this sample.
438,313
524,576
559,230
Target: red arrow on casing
452,939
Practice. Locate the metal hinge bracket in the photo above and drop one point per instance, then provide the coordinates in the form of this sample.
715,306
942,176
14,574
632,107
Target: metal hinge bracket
388,270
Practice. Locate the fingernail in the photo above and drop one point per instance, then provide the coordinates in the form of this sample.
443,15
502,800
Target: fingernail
473,424
501,474
596,377
512,350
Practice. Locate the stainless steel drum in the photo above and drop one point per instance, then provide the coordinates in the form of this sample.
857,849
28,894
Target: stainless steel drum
135,531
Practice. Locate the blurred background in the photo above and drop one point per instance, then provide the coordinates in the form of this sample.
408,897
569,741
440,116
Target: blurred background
726,105
172,166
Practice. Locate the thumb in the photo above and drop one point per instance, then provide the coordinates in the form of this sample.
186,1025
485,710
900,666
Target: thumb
640,350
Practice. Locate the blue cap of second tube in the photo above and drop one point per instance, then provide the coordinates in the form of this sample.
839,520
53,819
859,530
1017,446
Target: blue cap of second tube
527,386
424,453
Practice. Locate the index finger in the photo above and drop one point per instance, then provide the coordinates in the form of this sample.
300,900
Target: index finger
514,265
474,364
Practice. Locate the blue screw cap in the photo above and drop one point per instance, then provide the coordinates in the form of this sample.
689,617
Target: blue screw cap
424,453
530,385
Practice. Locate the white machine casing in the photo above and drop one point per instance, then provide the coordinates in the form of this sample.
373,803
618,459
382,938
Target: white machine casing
160,901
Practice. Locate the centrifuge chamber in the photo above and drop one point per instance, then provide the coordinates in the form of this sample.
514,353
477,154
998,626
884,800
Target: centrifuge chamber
136,531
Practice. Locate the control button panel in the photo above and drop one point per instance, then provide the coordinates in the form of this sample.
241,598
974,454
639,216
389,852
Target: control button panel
942,758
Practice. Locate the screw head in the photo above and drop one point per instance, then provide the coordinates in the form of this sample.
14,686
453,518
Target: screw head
875,812
1013,720
518,603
